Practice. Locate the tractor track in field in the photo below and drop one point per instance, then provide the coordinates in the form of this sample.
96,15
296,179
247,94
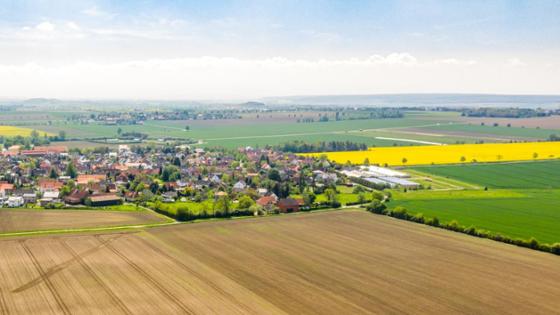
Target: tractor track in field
149,278
45,277
79,258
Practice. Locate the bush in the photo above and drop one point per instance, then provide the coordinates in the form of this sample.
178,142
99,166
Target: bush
183,214
433,221
376,207
419,218
399,213
555,248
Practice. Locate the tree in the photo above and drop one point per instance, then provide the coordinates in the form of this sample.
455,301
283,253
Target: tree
183,214
377,195
62,135
53,173
376,206
366,161
332,197
404,160
273,174
245,203
535,155
34,134
170,173
222,206
308,198
187,128
71,170
119,131
361,197
463,159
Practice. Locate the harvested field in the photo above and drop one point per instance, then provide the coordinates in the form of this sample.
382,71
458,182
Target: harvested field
31,220
344,262
550,122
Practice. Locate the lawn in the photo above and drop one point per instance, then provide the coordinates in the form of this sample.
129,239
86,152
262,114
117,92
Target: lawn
507,175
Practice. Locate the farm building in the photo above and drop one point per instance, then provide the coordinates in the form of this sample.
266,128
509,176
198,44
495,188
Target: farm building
288,205
400,182
104,200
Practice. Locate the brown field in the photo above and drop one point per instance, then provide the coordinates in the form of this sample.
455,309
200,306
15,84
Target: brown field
551,122
31,220
345,262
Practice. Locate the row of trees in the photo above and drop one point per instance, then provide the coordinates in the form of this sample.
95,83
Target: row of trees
324,146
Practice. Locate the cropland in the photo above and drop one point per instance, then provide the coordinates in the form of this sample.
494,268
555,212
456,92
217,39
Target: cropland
22,220
449,154
521,200
262,129
12,131
342,262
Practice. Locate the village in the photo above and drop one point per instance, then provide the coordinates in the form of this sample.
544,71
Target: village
167,179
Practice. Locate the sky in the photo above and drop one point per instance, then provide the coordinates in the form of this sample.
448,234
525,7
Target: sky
219,50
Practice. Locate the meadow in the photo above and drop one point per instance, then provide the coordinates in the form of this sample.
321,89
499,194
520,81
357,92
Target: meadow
449,154
335,262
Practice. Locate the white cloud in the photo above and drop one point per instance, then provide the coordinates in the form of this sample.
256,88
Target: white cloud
515,62
227,77
73,26
45,27
96,12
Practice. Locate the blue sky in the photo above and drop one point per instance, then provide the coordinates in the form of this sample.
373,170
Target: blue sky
224,49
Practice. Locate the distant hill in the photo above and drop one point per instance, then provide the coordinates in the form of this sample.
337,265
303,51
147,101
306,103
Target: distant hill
494,100
253,104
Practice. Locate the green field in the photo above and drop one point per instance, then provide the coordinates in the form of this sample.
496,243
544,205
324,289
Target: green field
507,175
537,214
523,199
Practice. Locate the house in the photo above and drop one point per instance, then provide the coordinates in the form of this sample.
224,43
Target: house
131,196
76,197
288,205
84,179
267,202
104,200
15,201
220,194
47,184
239,186
50,195
262,191
6,188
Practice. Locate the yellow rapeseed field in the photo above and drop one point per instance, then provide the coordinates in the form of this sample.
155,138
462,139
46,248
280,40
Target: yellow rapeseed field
449,154
12,131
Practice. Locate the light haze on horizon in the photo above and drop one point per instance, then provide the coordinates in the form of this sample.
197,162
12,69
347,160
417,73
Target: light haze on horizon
76,49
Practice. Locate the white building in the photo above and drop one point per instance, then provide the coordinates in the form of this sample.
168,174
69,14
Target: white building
15,201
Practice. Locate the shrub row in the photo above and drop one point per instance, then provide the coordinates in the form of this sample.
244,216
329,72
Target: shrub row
453,225
185,214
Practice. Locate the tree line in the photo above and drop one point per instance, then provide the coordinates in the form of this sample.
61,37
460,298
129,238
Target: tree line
298,146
